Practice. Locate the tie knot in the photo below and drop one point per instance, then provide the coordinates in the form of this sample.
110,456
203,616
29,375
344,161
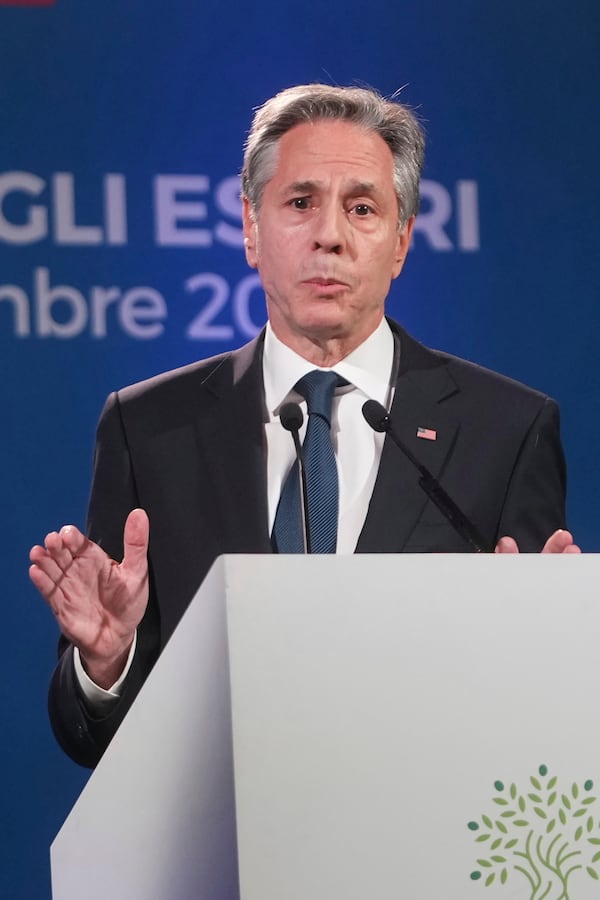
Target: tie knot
317,388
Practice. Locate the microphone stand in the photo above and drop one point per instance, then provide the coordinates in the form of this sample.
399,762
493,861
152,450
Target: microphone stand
290,416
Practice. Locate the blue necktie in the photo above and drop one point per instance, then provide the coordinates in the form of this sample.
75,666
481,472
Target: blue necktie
320,467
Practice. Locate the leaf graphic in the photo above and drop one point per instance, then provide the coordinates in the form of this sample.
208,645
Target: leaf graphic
542,796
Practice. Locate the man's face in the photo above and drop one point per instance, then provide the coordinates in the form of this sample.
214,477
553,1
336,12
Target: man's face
326,241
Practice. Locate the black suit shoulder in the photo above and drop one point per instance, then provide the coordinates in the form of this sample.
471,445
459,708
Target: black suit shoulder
418,359
213,373
187,377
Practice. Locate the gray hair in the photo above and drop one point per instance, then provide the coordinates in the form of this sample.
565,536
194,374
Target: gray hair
364,107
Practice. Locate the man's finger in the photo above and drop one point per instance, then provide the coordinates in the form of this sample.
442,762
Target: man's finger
507,545
135,541
58,550
45,585
45,563
561,542
73,539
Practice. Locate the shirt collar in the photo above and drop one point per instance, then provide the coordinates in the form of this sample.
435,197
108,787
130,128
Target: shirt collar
368,368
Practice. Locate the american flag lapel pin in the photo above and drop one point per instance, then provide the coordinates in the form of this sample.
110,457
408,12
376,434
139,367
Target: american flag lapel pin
427,434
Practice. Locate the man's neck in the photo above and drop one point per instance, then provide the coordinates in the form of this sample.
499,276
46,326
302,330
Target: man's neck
323,352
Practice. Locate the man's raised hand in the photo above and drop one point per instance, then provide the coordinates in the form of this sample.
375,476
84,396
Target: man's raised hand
98,603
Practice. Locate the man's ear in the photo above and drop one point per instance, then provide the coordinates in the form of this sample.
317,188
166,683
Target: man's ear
249,233
402,245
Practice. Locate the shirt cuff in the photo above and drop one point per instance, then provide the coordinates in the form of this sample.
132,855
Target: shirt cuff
98,699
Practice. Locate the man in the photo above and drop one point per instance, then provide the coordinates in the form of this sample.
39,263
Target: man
330,194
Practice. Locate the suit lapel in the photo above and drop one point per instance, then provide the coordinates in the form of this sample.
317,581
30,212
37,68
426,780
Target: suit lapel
398,501
231,436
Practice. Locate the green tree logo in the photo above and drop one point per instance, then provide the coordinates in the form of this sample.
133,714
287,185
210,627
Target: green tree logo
544,832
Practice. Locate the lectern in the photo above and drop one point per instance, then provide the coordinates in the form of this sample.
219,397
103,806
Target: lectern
343,728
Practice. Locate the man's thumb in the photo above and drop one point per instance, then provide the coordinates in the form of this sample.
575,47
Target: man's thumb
135,540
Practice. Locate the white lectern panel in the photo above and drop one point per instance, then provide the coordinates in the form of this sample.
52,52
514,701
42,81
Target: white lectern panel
373,707
374,717
156,820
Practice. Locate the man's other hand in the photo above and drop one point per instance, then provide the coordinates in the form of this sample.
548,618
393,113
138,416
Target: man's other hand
559,542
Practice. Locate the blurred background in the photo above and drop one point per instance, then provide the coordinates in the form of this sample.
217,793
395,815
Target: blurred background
121,130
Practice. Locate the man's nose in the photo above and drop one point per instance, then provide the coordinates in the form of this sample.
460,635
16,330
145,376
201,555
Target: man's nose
330,229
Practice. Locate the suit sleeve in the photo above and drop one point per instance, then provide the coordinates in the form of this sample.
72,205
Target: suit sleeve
113,495
534,505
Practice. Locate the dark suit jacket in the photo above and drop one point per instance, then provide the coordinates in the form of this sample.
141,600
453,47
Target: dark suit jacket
188,446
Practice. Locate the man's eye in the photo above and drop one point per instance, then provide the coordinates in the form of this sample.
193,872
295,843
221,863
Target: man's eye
300,203
362,209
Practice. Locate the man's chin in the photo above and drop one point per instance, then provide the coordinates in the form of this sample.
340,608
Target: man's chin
325,329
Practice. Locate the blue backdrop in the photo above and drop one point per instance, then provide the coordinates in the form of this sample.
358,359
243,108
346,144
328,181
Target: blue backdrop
121,128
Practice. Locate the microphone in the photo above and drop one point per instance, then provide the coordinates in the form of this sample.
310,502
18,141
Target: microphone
290,416
378,418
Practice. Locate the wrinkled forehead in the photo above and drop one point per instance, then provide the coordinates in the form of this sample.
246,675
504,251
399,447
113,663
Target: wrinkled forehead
313,151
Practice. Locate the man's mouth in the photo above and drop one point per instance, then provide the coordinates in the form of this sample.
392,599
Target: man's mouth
325,282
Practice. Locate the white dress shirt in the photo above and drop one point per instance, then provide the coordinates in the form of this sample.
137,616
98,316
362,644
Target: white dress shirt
357,448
